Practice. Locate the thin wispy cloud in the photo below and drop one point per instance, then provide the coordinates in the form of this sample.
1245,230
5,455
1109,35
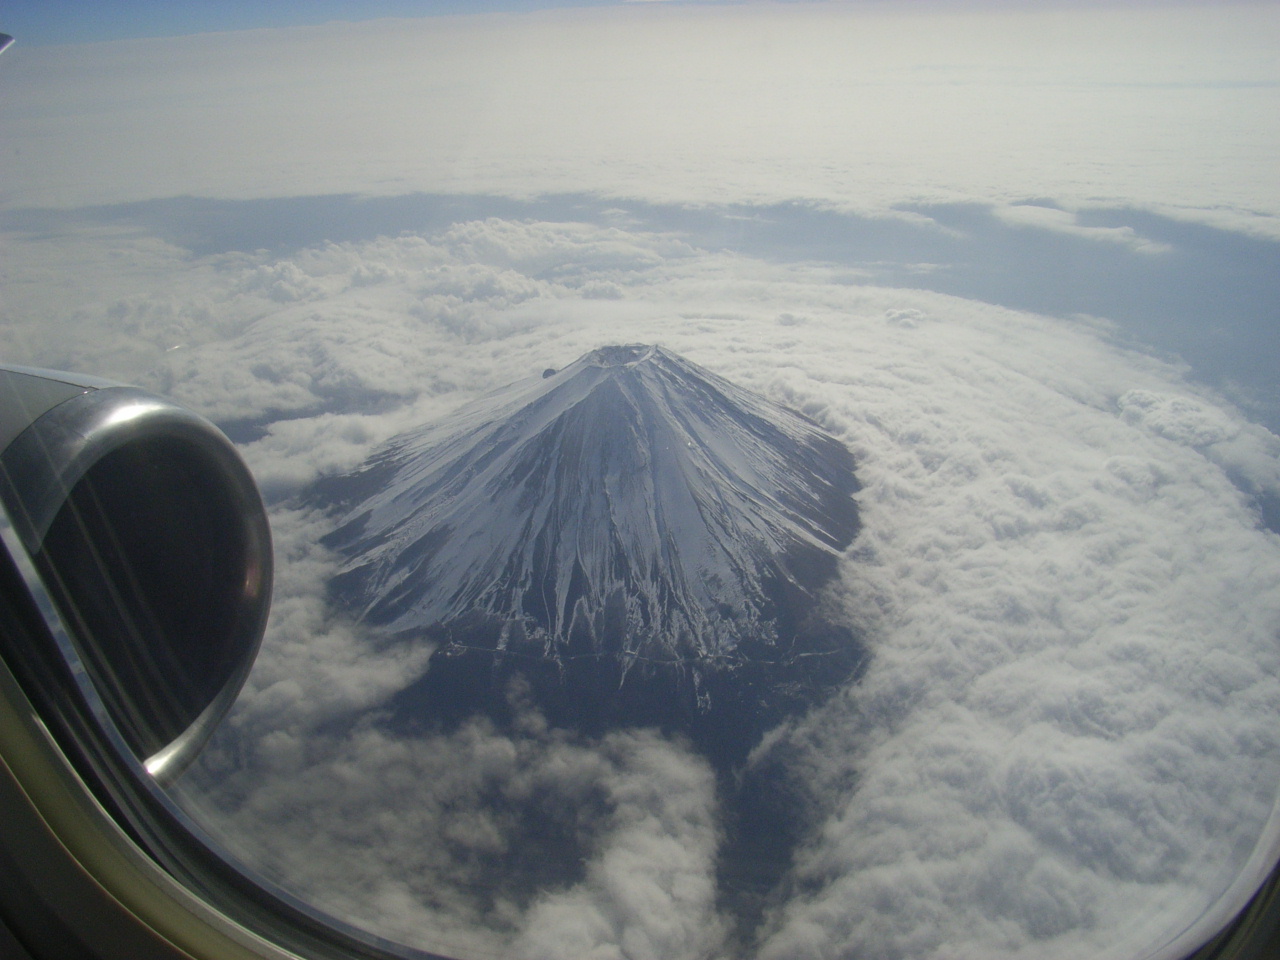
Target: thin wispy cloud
862,106
1064,221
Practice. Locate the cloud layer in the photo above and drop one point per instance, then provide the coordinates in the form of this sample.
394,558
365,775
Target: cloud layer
1061,746
858,105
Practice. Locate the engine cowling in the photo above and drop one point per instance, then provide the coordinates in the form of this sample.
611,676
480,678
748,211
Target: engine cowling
149,536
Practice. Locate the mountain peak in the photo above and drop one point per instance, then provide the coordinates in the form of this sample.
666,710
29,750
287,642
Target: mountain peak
625,355
633,515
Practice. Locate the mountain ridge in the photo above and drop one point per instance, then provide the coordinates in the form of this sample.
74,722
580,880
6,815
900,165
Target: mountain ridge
632,505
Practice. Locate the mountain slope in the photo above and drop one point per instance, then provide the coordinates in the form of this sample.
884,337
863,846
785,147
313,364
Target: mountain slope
633,510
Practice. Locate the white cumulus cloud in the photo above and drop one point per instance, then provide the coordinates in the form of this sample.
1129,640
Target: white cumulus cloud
1062,743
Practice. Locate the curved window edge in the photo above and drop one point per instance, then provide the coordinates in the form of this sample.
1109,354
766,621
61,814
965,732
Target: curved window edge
81,882
97,862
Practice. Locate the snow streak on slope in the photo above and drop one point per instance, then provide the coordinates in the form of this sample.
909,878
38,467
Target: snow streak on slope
632,505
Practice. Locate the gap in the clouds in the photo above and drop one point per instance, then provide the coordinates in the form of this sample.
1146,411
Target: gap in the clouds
550,836
348,401
760,804
766,815
592,695
1266,501
1205,296
282,226
1183,290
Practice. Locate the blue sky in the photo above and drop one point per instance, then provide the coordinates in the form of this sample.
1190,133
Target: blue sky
38,23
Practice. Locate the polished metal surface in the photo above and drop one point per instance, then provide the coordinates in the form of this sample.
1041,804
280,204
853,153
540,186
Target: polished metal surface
148,532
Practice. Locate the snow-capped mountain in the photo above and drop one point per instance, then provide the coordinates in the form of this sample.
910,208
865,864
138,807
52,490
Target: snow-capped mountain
632,508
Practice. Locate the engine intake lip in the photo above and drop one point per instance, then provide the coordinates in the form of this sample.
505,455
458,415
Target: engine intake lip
150,537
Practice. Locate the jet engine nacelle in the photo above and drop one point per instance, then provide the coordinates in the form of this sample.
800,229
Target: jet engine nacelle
150,544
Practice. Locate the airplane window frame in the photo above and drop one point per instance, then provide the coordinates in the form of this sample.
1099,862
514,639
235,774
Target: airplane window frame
98,857
97,861
90,824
